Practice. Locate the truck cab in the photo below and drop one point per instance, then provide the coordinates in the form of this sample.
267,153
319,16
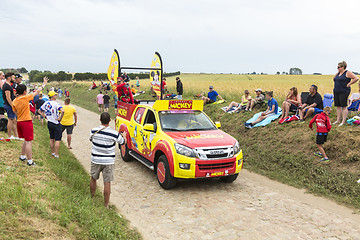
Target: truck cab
177,140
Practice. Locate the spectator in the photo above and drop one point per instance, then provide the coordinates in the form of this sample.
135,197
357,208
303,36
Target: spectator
8,97
106,101
50,111
323,126
312,105
2,80
66,92
69,120
93,86
342,82
179,88
291,103
124,93
100,101
137,83
163,88
133,90
18,80
271,110
115,103
60,92
259,98
103,140
242,105
211,96
24,122
38,104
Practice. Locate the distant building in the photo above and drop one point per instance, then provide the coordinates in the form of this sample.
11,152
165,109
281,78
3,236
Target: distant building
317,74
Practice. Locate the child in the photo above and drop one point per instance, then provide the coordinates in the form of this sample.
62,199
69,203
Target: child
271,110
323,126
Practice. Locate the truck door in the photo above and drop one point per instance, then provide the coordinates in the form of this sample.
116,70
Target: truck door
137,127
148,138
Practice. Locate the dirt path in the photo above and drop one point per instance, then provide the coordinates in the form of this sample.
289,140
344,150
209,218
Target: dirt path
253,207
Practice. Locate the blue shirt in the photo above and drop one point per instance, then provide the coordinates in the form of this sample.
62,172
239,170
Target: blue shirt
271,103
212,95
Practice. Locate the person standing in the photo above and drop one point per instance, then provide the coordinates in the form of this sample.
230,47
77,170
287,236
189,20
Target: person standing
66,92
2,80
103,140
106,101
38,104
100,101
50,111
69,120
179,88
18,80
8,97
137,84
342,82
59,91
115,104
24,122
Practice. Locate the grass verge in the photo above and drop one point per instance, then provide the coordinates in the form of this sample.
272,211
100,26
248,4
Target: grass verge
52,200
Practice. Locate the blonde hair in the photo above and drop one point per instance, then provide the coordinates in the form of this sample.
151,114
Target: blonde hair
343,64
327,109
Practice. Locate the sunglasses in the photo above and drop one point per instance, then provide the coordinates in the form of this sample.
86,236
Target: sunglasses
340,67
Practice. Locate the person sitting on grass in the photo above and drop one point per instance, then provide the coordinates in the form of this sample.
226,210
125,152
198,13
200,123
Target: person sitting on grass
323,127
272,109
211,96
312,105
291,103
259,98
240,106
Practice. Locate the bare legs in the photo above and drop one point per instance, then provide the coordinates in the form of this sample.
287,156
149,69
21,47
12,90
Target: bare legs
321,149
286,109
308,113
27,150
54,146
107,191
11,127
342,114
69,140
250,105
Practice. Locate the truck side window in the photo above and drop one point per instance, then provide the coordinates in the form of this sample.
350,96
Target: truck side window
150,117
139,115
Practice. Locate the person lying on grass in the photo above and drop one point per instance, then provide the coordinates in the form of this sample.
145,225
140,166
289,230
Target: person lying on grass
240,106
271,110
323,127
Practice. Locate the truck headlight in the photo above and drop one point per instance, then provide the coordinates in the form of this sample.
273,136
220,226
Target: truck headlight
184,150
185,166
236,148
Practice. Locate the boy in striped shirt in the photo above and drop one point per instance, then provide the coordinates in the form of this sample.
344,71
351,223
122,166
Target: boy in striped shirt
104,140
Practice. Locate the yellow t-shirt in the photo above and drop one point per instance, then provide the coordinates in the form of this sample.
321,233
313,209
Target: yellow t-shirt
21,107
68,118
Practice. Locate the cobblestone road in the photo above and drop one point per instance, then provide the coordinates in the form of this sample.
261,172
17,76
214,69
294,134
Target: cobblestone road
253,207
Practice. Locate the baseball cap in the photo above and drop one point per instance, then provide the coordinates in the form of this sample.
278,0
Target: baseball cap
177,78
18,76
51,94
211,87
258,90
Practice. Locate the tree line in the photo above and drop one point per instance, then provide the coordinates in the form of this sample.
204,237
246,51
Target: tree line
37,76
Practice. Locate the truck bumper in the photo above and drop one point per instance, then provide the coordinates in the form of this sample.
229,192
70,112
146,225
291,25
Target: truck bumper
208,168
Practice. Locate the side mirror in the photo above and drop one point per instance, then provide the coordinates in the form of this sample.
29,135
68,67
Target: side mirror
218,124
149,127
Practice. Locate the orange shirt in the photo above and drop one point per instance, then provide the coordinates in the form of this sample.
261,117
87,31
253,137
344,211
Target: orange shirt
21,107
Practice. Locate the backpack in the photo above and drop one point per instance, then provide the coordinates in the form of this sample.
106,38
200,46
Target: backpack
3,124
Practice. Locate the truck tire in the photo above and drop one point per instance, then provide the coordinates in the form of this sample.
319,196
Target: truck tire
229,179
124,151
163,174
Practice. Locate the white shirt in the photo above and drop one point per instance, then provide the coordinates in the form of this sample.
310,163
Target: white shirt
51,109
103,145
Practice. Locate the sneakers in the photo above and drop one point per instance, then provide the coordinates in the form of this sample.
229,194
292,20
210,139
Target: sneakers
22,159
248,125
302,121
55,156
324,160
341,124
31,164
336,122
318,154
12,137
358,181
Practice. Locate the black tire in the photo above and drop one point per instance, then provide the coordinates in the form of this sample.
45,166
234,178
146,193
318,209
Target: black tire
165,180
229,179
126,157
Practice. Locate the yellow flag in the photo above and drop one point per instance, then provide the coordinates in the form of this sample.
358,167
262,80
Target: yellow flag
113,71
156,75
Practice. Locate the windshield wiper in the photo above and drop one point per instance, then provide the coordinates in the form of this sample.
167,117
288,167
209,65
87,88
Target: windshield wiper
172,129
199,129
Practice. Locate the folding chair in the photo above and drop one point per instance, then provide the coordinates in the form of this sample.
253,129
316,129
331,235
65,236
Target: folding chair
354,108
328,100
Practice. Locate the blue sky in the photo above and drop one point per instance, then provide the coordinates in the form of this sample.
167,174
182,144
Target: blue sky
192,36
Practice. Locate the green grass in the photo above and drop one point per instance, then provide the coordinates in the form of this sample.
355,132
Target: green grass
281,152
53,198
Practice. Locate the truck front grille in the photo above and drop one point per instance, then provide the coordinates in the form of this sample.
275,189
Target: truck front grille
212,153
216,166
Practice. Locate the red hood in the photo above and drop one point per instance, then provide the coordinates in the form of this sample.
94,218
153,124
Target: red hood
198,139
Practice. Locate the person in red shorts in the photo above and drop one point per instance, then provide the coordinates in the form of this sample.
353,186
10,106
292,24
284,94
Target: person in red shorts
24,122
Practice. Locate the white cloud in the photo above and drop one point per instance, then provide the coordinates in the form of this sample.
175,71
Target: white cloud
192,36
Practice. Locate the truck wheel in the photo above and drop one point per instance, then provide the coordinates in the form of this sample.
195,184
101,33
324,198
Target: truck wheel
229,179
163,174
124,151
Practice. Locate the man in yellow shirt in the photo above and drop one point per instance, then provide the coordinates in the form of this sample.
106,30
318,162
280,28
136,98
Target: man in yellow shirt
24,122
68,121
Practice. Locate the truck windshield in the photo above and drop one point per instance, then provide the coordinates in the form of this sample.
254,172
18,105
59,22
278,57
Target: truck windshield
185,121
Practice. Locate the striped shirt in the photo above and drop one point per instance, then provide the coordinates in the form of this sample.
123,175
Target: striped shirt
103,145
